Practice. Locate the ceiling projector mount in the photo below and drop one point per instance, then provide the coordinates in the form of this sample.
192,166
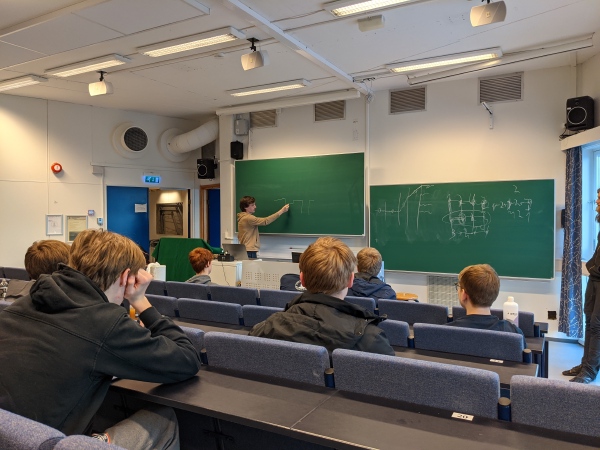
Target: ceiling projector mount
101,87
488,13
256,58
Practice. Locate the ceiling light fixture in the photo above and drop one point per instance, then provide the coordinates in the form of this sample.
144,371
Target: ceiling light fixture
447,60
192,42
101,87
274,87
347,8
489,13
15,83
91,65
254,59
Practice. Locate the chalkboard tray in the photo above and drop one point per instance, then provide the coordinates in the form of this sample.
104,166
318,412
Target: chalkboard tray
326,193
443,227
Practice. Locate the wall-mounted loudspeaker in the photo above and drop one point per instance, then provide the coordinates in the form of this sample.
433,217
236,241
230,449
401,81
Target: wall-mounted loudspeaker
580,113
206,169
237,150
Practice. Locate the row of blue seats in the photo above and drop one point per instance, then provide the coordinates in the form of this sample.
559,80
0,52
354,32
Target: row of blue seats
465,390
17,273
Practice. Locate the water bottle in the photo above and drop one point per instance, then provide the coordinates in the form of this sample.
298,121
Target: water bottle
511,310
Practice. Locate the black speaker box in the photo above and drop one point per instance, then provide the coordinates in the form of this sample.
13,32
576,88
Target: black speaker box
206,169
237,150
580,113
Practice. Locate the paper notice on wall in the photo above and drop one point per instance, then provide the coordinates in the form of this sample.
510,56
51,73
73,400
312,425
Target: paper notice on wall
141,207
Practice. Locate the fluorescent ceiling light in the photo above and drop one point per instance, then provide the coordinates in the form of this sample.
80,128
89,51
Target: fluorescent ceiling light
347,8
447,60
15,83
191,42
294,84
91,65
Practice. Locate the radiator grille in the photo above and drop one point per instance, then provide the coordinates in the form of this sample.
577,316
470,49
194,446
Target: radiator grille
441,291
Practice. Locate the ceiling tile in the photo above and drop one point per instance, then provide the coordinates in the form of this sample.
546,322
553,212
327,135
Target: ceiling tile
12,55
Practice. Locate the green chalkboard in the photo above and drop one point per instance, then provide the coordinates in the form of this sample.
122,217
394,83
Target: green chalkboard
441,228
326,193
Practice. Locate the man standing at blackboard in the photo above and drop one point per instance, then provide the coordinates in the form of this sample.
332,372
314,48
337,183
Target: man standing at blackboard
248,224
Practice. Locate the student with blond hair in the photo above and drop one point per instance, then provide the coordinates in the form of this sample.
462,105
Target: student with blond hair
64,342
478,287
366,283
201,261
320,316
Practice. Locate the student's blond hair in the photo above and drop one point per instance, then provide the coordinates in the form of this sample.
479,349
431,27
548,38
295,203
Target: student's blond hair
369,261
327,265
481,283
44,256
102,256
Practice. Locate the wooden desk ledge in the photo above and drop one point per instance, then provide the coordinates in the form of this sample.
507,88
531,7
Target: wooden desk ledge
406,296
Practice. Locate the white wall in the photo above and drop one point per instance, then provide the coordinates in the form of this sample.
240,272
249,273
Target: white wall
450,141
35,133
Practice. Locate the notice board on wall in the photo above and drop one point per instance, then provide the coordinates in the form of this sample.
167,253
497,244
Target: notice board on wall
443,227
326,194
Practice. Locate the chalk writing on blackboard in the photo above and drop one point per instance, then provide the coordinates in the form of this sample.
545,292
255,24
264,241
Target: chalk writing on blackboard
301,202
466,217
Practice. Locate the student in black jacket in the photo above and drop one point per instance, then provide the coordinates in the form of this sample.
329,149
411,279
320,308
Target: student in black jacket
61,345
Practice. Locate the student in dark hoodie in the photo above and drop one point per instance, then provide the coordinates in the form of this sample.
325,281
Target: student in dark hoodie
61,345
366,283
320,316
201,260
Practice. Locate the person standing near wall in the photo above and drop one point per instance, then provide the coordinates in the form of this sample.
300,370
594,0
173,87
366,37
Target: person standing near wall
588,369
248,224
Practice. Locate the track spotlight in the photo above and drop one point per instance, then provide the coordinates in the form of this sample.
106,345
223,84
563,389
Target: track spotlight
490,13
255,59
101,87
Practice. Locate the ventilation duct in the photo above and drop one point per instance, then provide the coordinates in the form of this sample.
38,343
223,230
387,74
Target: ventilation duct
175,146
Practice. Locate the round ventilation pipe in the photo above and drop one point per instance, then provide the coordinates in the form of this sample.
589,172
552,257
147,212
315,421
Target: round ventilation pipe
194,139
129,140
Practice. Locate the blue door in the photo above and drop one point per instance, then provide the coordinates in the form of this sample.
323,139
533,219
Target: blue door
121,216
214,217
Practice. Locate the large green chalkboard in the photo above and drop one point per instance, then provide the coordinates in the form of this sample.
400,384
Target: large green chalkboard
441,228
326,193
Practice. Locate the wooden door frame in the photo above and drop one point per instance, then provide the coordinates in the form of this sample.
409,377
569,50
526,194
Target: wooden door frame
203,208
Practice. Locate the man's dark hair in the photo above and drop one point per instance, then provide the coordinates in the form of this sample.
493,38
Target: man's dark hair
246,201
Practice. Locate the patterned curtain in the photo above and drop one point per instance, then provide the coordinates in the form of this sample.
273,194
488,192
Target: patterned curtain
570,315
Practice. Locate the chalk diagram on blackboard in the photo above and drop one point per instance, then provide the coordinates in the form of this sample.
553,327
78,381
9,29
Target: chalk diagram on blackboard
466,217
285,202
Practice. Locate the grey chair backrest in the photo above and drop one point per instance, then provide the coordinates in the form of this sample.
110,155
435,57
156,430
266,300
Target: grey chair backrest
276,298
459,389
192,308
79,442
396,331
526,318
157,287
232,294
195,335
167,306
20,433
555,404
4,304
16,273
180,289
2,272
281,359
411,312
368,303
469,341
254,314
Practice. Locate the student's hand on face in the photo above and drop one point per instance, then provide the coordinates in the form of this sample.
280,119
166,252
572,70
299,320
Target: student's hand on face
135,291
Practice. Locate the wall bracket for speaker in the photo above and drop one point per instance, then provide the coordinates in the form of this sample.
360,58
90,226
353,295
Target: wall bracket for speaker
163,146
130,141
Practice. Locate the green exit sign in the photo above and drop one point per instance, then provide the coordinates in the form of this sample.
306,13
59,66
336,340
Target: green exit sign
151,178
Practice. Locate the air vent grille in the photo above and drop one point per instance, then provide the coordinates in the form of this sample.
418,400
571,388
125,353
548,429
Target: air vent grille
407,100
135,139
263,119
501,89
330,111
441,291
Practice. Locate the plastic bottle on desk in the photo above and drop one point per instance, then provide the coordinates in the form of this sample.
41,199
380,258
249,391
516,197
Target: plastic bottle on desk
511,310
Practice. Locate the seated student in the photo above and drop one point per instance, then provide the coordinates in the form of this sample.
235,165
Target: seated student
64,342
320,316
366,283
41,257
478,286
201,260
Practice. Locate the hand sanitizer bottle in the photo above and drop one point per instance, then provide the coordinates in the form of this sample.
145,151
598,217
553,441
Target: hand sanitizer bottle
511,310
